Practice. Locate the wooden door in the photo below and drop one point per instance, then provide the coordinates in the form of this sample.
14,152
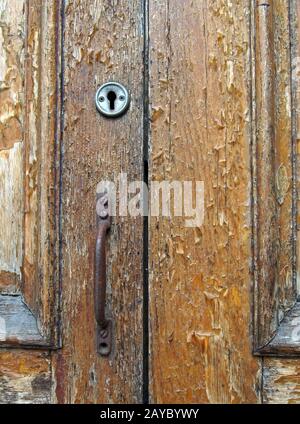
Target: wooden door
204,312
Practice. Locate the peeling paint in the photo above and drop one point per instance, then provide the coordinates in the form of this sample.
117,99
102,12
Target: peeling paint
12,29
200,288
11,211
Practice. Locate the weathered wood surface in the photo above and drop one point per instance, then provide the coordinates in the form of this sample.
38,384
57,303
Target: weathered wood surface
200,279
29,172
42,155
18,326
285,175
281,381
12,29
25,377
103,40
28,100
280,376
273,171
295,24
286,341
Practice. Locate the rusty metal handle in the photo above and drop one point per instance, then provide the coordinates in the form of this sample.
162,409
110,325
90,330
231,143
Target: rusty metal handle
104,327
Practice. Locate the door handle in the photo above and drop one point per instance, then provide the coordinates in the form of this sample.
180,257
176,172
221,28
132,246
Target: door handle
104,326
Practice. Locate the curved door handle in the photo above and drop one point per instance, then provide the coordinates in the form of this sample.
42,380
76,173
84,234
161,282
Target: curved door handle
104,326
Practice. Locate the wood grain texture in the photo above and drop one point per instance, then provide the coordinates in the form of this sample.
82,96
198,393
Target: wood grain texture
286,341
10,282
43,92
103,42
200,279
280,376
202,123
11,215
12,39
273,176
28,155
25,377
18,326
281,381
295,33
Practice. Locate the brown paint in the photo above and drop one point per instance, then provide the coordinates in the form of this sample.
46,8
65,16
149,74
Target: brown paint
24,377
214,117
102,42
200,280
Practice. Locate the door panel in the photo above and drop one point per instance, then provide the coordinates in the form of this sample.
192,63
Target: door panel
40,279
200,296
281,376
200,314
30,93
29,61
273,151
103,41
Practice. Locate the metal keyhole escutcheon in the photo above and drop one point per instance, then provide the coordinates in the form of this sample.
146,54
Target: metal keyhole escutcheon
112,99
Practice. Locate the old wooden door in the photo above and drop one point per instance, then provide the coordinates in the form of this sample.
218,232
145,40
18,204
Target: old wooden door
206,313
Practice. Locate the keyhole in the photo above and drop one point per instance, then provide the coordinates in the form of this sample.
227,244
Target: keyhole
112,99
111,95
